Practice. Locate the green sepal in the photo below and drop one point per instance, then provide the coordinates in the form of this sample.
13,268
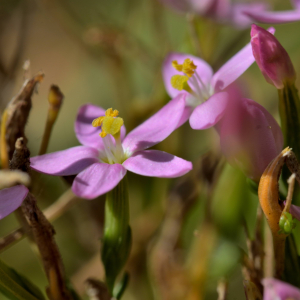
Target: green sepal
17,287
121,286
117,233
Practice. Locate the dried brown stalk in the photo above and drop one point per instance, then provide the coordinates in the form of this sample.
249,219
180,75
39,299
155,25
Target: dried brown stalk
41,231
97,290
17,112
63,203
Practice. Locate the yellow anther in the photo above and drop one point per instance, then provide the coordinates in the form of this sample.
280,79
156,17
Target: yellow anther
111,113
188,67
110,123
97,122
176,66
179,82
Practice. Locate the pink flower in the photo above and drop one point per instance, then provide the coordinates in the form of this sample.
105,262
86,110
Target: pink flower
11,198
206,99
249,136
275,289
222,11
272,59
102,162
275,17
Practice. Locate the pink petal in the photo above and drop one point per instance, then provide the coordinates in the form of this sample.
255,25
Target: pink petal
296,3
295,211
86,134
156,163
275,289
249,136
157,127
204,70
66,162
210,112
97,179
240,19
11,198
233,68
185,116
274,17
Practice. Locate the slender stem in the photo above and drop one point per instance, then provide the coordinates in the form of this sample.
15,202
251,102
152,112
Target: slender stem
53,212
55,100
289,109
194,36
3,149
43,234
117,233
289,198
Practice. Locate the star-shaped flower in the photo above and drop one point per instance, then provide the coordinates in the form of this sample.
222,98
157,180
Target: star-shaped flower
206,99
103,160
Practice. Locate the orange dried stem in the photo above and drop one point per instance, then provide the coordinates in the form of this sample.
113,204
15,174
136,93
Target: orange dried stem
268,194
3,149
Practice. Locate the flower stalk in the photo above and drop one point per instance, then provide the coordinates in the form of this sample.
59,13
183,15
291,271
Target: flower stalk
117,233
289,109
55,99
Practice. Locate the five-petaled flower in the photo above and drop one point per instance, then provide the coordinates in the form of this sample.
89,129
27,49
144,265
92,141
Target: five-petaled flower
206,96
11,198
205,99
103,161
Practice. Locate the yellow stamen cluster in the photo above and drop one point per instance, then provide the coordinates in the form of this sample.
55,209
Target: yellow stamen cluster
188,67
179,82
111,124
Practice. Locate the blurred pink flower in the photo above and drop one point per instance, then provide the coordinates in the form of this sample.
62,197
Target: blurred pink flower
275,17
206,99
222,11
249,136
11,198
272,59
101,163
275,289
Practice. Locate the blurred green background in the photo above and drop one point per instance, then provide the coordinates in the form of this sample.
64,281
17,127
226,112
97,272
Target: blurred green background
110,53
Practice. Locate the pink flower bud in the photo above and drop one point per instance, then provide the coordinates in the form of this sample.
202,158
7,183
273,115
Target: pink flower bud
272,59
250,137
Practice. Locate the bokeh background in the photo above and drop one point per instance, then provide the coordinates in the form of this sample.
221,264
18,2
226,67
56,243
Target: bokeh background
110,53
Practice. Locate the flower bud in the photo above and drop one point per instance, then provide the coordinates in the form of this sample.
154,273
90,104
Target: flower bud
250,137
272,59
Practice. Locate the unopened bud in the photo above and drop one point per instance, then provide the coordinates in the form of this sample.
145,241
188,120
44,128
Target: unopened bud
272,59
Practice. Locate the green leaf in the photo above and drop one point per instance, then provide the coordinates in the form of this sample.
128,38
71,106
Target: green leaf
17,287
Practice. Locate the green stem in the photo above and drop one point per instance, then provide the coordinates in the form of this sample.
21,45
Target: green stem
289,109
117,232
